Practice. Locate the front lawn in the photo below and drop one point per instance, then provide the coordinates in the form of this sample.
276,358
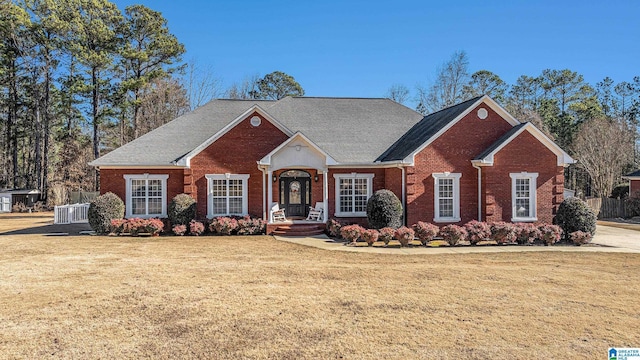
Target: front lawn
256,297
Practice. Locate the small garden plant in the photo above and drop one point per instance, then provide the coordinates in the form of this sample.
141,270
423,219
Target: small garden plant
386,235
196,228
351,233
580,237
384,209
477,231
404,235
426,232
550,234
453,234
575,215
179,230
370,236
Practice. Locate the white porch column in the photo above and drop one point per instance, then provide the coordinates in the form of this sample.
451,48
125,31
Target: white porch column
325,194
269,193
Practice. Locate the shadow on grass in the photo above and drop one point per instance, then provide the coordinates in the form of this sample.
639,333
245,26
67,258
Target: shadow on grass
51,230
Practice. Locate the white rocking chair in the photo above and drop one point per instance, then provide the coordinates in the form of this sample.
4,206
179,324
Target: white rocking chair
315,213
277,214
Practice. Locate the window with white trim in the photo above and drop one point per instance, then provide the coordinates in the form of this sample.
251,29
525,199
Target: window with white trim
227,194
146,195
352,192
446,197
523,196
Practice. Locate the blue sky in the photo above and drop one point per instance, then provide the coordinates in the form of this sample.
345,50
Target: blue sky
361,48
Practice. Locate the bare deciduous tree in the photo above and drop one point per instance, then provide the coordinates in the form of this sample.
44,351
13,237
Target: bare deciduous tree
603,148
447,90
398,93
201,85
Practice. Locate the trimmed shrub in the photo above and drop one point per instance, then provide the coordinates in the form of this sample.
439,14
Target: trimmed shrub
102,210
477,231
223,225
333,228
580,237
425,231
575,215
196,228
404,235
384,209
386,234
179,230
503,232
453,234
620,191
632,205
370,236
550,234
351,232
182,209
137,226
251,226
526,233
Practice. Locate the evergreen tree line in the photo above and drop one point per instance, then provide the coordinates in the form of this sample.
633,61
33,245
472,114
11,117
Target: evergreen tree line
596,124
81,77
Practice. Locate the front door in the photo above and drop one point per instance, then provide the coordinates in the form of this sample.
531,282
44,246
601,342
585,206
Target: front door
295,192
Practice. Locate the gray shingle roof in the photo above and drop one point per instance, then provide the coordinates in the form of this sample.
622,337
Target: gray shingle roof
351,130
499,142
424,130
634,174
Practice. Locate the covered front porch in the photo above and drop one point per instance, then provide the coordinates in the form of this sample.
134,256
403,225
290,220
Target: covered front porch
295,182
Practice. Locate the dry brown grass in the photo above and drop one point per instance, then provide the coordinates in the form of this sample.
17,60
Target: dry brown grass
258,298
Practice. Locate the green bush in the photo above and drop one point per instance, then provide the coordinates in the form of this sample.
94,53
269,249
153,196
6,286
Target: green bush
182,210
632,205
102,210
575,215
384,209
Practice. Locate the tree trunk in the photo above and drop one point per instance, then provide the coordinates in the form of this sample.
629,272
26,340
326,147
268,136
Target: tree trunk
96,123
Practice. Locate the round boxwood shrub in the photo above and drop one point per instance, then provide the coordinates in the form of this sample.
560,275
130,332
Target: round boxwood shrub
384,209
182,210
102,210
575,215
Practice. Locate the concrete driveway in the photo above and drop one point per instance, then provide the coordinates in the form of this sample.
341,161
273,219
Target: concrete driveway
619,235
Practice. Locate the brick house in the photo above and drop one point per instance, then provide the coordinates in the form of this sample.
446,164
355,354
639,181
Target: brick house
634,183
237,157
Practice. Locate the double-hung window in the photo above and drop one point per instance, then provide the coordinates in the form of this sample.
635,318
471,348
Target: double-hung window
523,196
227,194
352,192
146,195
446,197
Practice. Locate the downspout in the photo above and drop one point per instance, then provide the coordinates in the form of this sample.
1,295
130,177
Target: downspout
404,195
479,190
264,193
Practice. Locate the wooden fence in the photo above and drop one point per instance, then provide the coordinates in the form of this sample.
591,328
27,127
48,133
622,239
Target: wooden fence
607,208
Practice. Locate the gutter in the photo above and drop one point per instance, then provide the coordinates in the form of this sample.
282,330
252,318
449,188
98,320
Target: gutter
404,194
264,193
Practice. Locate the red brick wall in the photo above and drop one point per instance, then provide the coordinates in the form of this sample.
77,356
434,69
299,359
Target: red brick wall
452,152
237,152
634,188
113,180
524,153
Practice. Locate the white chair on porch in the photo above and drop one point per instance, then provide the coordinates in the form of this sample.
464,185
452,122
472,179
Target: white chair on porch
315,213
277,214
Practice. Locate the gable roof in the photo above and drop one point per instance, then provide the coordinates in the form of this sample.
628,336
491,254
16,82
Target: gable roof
434,125
633,176
427,128
486,157
170,142
349,130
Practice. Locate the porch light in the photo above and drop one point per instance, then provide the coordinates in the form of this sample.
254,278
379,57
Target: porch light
315,177
275,178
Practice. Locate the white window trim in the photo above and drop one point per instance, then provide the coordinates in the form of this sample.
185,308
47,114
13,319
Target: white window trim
533,206
227,176
456,196
338,177
128,201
